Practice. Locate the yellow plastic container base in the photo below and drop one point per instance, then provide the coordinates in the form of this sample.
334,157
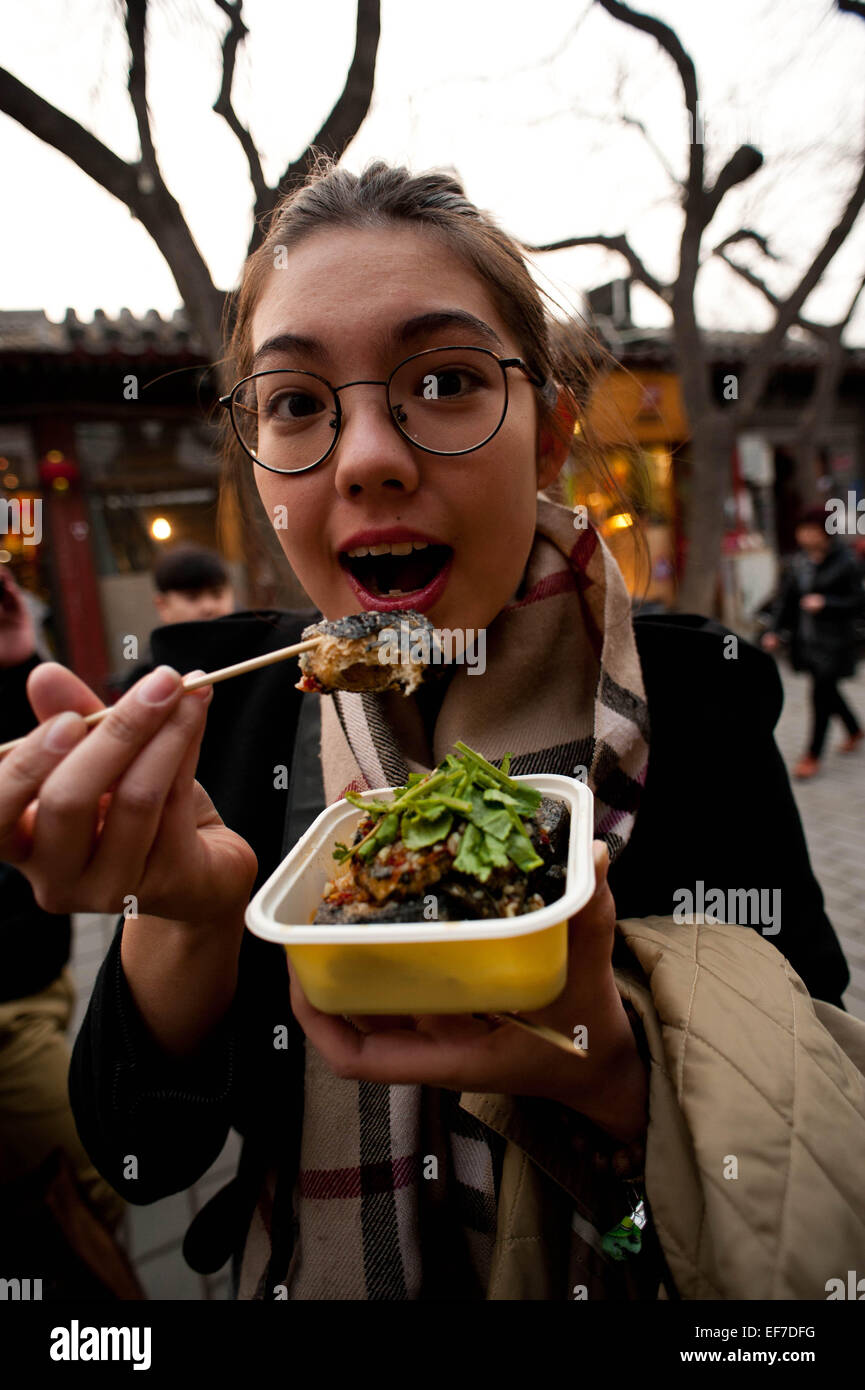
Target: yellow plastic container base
488,966
459,977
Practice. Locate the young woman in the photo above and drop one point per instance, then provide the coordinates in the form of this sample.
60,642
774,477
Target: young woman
409,399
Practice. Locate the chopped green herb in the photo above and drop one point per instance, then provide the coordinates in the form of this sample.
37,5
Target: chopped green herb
467,792
418,830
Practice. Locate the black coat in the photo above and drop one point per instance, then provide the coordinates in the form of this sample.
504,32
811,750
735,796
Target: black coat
717,806
822,643
34,944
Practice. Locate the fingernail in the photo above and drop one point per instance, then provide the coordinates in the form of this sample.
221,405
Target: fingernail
64,732
159,686
204,692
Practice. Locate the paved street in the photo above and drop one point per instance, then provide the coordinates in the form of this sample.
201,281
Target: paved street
832,807
833,813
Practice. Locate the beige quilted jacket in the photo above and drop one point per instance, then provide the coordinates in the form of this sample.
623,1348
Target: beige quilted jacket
756,1138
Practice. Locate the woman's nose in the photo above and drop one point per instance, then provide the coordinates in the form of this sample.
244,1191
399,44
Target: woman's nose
370,452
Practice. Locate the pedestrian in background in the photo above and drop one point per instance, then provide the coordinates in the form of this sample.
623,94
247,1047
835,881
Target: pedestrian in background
55,1209
192,586
817,606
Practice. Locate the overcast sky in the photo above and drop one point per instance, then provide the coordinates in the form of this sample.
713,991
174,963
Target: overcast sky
518,95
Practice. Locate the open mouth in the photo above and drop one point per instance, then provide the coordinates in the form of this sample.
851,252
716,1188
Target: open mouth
398,575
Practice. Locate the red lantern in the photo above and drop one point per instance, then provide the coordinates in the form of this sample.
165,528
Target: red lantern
56,465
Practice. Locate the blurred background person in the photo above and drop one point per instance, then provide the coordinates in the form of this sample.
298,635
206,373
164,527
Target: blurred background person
64,1213
192,585
816,610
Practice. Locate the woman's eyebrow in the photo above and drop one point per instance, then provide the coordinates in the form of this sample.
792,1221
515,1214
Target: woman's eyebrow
289,343
445,318
408,331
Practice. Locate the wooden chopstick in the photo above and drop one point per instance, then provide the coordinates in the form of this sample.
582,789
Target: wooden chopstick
541,1030
198,682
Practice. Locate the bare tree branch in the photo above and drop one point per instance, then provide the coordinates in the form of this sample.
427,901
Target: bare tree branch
235,35
816,418
822,331
746,234
789,309
63,133
671,44
748,275
740,166
613,243
853,302
653,146
353,102
156,208
136,27
690,347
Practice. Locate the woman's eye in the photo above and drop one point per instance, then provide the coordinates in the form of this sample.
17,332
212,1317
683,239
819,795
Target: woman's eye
448,383
288,406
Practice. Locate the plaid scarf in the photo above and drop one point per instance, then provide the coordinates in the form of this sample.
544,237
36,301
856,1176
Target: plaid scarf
562,691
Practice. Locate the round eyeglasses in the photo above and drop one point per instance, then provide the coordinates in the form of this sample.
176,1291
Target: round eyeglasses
447,400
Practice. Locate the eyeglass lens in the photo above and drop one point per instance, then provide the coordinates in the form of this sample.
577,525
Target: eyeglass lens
448,400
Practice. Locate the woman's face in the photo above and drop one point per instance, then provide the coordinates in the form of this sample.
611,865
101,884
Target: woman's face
364,301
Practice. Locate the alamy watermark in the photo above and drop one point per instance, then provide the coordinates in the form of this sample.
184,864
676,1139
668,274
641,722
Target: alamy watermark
22,516
854,1288
77,1343
845,517
20,1290
728,125
744,907
440,646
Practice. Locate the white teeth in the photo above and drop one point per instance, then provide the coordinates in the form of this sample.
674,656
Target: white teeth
397,548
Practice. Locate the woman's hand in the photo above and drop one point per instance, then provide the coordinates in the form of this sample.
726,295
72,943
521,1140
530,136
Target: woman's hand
461,1053
96,818
770,642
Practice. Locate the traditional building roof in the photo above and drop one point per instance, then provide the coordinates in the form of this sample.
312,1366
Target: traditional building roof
31,331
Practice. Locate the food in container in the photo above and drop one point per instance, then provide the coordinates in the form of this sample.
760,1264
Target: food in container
427,964
464,842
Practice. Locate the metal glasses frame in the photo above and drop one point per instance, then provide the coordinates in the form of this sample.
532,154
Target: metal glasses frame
547,388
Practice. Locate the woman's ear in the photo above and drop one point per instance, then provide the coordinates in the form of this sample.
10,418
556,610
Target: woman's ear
554,438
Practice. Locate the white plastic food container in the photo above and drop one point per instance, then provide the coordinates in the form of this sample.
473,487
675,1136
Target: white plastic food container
491,966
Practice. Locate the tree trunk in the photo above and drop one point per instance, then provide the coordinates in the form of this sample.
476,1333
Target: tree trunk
816,418
712,440
160,214
806,471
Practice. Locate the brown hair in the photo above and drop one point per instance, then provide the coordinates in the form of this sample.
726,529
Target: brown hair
562,351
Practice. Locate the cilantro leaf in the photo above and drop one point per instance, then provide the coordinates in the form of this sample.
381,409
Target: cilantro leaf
384,834
522,852
418,830
469,859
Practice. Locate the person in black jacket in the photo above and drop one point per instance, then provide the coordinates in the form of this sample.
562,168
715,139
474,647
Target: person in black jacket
192,585
817,607
400,291
36,990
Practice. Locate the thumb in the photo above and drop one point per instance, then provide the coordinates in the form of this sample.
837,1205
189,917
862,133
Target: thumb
601,859
52,688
